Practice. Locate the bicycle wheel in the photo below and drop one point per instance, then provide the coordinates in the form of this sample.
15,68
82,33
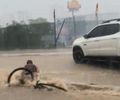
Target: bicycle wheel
38,85
16,70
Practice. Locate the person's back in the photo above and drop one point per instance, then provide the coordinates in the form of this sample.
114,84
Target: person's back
33,68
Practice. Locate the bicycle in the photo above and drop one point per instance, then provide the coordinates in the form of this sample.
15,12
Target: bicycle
38,84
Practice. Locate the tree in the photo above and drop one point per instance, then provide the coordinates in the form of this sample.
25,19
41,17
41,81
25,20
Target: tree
37,21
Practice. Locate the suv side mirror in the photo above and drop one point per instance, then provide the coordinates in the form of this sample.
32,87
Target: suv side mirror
86,36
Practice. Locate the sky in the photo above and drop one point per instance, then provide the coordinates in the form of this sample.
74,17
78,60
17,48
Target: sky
28,9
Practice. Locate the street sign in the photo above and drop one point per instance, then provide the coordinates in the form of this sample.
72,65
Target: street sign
73,5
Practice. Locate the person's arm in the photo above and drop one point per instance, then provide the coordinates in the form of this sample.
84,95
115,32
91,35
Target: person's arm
25,66
37,73
37,69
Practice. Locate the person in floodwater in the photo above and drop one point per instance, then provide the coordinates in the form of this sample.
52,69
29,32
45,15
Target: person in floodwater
33,68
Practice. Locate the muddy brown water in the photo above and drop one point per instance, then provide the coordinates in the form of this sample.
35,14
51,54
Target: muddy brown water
54,65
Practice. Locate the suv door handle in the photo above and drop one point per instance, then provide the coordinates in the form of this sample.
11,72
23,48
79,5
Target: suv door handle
96,40
114,38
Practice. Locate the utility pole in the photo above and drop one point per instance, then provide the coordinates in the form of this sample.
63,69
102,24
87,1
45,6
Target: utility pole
74,5
54,15
57,35
74,23
60,30
96,13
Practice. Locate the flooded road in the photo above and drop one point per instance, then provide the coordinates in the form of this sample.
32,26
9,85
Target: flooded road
60,64
57,64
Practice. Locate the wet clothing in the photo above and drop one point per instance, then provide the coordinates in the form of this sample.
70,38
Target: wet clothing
34,69
31,67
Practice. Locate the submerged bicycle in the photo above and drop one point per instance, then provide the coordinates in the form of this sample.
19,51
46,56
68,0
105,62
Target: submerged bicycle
29,74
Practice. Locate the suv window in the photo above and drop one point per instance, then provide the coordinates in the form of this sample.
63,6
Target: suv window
95,32
104,30
110,29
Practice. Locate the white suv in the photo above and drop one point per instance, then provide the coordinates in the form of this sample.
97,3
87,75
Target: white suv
102,41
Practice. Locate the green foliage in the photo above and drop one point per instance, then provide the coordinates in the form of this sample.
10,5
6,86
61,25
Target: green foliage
21,36
15,36
37,21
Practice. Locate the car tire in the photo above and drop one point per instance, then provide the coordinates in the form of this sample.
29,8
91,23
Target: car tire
78,55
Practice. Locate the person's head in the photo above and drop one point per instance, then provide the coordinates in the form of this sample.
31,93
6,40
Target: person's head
29,62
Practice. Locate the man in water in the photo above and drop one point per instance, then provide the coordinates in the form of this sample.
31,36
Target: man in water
33,68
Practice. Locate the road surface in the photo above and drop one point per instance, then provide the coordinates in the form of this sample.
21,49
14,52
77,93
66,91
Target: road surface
59,64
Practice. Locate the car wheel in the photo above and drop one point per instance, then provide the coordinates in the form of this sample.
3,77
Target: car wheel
78,55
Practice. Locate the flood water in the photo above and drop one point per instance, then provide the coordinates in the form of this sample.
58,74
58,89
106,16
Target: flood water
58,64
